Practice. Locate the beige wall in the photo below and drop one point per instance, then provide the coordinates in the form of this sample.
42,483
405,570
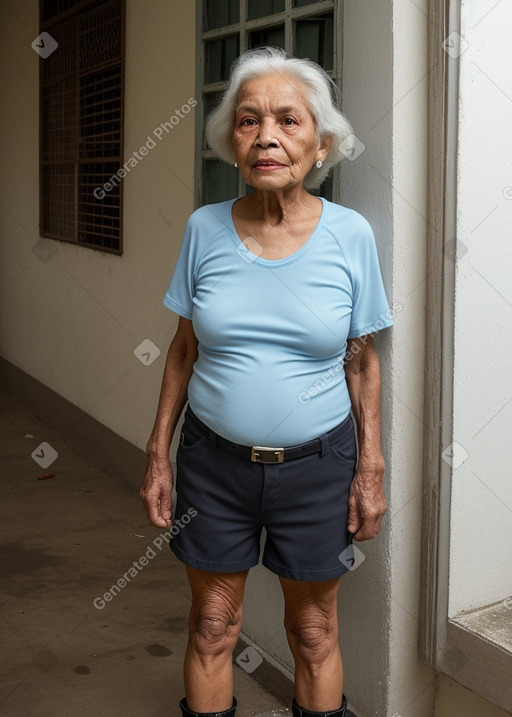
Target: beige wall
452,700
73,322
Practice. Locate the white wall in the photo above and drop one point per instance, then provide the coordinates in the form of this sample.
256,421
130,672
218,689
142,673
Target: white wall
364,608
481,517
412,684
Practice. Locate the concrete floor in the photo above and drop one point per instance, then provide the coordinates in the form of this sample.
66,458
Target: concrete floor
65,541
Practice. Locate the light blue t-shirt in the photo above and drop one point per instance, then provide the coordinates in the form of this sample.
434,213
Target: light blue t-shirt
273,333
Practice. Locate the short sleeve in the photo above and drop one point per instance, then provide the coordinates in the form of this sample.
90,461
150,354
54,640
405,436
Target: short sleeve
370,308
180,294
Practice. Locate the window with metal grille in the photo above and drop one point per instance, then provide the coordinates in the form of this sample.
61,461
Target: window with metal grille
81,122
227,28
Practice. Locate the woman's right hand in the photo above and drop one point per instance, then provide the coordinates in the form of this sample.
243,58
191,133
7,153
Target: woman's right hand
156,489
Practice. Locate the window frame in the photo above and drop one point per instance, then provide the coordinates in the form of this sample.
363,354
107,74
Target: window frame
46,26
446,643
243,28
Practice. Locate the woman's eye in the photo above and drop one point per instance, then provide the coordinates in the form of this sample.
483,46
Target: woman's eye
289,121
248,121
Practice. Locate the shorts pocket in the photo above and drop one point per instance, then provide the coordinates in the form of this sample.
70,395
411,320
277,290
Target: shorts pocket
345,447
191,435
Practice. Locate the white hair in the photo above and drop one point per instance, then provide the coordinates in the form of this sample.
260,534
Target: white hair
322,95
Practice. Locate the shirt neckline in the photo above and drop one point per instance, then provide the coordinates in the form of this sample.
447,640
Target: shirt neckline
254,258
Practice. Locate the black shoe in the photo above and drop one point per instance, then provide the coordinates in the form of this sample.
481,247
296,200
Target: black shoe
189,713
301,712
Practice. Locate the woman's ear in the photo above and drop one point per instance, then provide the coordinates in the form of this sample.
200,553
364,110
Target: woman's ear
324,147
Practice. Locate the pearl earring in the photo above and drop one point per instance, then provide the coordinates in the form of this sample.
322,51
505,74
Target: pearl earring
235,164
319,164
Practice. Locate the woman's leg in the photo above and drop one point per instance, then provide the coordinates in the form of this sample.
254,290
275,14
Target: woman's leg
311,622
214,625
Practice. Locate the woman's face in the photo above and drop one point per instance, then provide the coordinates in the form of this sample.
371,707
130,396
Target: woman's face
274,138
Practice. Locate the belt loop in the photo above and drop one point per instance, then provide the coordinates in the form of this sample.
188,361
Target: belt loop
324,441
212,439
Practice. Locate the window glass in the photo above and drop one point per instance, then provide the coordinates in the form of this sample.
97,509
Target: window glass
326,188
219,13
302,3
82,118
314,40
262,8
311,36
219,56
273,36
210,101
220,181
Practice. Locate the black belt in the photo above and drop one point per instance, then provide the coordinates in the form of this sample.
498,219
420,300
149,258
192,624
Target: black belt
267,454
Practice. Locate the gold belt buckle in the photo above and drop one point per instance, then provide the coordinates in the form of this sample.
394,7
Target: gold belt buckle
264,454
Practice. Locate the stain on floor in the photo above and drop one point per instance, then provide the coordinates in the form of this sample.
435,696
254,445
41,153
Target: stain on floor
158,650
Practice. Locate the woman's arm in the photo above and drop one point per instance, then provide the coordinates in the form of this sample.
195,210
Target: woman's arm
156,488
367,502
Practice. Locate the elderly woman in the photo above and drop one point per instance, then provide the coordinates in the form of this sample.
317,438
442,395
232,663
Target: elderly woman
279,294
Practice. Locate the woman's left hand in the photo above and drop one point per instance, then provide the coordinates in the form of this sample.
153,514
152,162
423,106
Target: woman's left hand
367,503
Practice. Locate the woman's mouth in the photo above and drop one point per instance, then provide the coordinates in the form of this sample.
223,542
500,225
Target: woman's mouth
267,164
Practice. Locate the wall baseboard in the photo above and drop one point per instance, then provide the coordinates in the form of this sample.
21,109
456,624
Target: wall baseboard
266,674
85,434
117,456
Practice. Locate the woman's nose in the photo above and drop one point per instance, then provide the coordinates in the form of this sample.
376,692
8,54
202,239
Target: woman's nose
266,136
265,143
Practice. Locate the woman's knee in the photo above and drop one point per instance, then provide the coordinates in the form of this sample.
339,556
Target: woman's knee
312,633
215,621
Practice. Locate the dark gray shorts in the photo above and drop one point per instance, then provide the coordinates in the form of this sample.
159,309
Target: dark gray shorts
224,501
